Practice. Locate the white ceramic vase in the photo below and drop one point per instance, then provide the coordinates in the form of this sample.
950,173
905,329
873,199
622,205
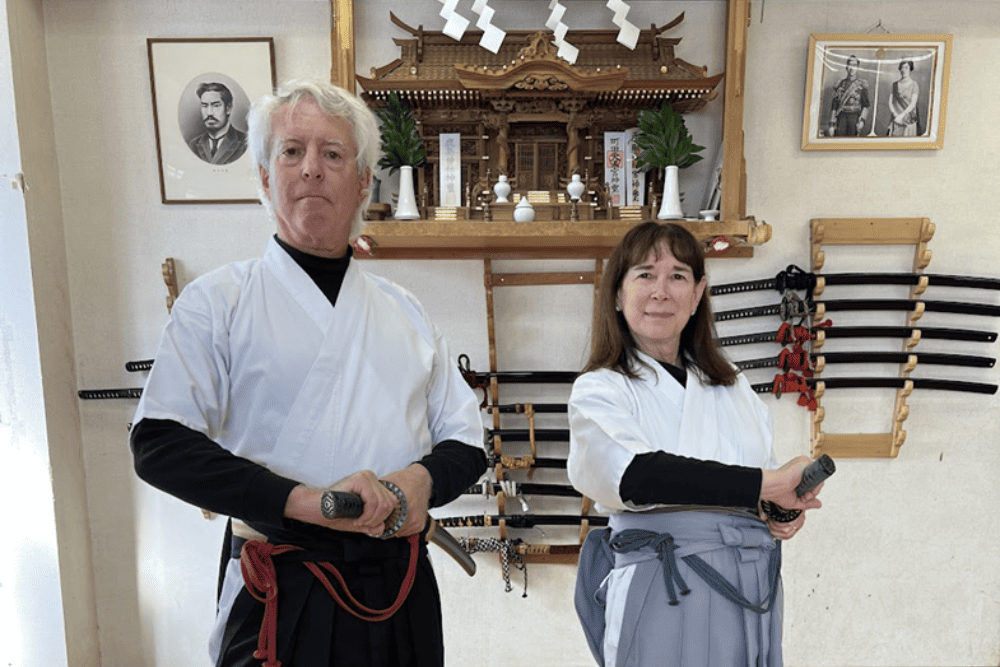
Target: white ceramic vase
406,207
670,209
501,189
575,188
524,211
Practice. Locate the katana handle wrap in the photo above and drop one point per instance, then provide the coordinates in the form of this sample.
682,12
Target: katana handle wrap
815,472
341,505
143,365
750,286
93,394
347,505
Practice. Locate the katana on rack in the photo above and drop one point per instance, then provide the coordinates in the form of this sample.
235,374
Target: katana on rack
519,520
930,333
883,383
787,311
524,488
794,278
525,462
781,361
524,434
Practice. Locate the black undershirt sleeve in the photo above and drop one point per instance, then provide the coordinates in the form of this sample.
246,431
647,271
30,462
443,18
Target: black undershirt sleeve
454,467
189,465
669,479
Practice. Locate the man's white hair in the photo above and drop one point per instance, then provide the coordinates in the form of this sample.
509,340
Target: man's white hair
333,100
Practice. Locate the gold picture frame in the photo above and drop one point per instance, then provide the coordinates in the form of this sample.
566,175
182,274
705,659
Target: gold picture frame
876,92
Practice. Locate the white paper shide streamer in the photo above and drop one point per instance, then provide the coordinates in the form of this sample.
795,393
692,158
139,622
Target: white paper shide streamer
455,23
493,36
628,34
566,51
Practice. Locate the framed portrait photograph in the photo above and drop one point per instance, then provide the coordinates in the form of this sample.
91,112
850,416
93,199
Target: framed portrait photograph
876,92
202,90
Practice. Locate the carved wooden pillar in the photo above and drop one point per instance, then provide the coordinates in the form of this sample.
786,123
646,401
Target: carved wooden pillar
572,147
499,122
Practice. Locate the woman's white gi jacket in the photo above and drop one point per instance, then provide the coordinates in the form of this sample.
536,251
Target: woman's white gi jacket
613,418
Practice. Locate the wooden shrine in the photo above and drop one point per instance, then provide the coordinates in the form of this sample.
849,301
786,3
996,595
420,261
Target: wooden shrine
528,115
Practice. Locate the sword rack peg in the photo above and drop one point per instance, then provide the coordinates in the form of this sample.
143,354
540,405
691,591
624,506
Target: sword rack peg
818,390
820,311
919,288
818,258
819,364
819,286
907,368
923,258
585,505
916,313
818,341
912,341
898,438
169,269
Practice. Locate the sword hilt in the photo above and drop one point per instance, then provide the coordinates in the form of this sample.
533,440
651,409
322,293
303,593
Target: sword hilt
812,476
347,505
815,472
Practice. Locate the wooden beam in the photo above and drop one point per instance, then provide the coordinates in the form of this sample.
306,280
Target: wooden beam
734,196
342,44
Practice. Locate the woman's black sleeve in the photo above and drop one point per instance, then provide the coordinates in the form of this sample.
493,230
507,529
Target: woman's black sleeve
669,479
191,466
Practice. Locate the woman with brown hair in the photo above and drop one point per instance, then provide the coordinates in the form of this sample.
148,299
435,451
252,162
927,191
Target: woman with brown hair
672,441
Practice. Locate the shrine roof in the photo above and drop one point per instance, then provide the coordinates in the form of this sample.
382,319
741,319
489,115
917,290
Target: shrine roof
434,64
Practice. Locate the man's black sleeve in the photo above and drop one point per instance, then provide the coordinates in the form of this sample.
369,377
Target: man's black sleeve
669,479
454,467
191,466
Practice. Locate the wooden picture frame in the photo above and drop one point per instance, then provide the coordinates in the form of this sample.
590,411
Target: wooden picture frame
860,96
190,81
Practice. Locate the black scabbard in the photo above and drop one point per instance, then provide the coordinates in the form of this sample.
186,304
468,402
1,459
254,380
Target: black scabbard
930,333
954,307
965,360
529,489
801,280
890,383
524,434
520,520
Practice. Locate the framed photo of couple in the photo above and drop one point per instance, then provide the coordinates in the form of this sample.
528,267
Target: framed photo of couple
876,92
202,90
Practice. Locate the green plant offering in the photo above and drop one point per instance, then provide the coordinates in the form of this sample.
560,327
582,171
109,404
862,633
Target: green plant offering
401,143
664,140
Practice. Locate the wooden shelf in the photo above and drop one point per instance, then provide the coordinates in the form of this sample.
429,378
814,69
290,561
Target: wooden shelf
558,239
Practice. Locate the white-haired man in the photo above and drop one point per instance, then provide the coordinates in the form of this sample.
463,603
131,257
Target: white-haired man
280,377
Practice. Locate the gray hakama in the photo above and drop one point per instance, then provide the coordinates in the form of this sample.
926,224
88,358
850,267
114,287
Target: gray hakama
688,589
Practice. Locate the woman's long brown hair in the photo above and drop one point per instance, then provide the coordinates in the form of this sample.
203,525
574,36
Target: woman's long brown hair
612,345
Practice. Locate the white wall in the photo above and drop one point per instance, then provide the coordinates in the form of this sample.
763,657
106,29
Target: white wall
899,569
47,611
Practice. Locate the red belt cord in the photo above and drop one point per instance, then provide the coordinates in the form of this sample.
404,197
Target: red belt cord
261,581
